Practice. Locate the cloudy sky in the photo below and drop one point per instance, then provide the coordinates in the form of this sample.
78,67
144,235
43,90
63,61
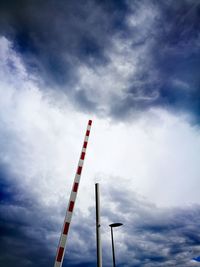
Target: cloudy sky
132,67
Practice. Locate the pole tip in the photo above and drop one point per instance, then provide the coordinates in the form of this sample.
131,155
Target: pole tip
90,122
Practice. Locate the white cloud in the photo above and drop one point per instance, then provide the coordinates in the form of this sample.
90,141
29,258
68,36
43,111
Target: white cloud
158,159
143,16
156,155
104,83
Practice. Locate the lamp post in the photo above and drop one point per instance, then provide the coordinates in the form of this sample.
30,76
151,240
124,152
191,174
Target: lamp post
113,248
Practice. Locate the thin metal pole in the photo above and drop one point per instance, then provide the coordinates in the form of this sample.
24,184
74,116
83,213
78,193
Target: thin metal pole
98,225
113,248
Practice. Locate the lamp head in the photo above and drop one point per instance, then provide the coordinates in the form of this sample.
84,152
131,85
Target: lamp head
115,224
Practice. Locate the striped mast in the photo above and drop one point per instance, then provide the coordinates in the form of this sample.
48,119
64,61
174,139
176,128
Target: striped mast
70,208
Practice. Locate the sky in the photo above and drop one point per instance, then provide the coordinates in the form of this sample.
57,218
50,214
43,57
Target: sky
132,67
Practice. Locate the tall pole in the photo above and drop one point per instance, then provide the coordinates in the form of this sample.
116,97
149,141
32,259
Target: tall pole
113,248
98,225
68,216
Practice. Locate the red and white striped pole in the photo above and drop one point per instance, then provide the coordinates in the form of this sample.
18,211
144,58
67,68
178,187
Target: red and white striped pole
68,217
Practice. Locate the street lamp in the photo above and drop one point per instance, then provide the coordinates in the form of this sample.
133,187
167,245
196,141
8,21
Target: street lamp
113,249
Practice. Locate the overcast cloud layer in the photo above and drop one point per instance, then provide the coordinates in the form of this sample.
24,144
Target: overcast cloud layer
132,67
111,57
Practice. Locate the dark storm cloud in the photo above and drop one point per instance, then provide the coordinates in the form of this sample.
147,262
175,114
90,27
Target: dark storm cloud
171,79
18,248
5,191
150,236
153,236
23,228
177,56
56,37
